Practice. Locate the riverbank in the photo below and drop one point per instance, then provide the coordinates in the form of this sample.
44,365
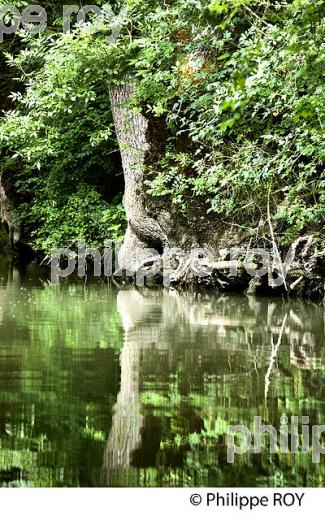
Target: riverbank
294,273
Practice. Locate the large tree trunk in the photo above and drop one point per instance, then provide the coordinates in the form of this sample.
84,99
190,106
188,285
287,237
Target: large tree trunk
150,226
132,130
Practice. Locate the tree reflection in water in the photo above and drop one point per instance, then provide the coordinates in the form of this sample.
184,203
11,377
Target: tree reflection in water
191,365
137,388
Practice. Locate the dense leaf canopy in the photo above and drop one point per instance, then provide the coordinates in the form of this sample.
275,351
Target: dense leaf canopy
239,84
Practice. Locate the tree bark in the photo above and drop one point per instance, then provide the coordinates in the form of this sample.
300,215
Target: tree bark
6,216
132,130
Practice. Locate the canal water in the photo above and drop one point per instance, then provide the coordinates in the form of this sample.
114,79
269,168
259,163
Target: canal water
107,387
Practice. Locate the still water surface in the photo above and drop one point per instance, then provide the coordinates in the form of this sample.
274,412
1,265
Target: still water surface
100,387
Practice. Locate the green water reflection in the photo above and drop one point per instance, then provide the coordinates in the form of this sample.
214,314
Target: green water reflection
100,387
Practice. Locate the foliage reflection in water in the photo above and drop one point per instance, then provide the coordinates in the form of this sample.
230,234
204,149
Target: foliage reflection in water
100,387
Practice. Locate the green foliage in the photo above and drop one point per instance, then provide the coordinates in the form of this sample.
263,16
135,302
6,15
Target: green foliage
60,143
239,83
80,215
243,81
